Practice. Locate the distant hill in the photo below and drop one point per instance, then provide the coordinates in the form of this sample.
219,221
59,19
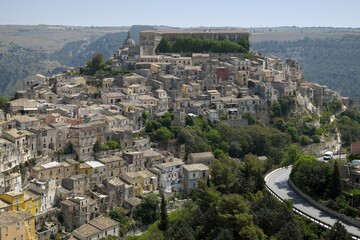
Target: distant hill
327,55
330,58
27,50
77,53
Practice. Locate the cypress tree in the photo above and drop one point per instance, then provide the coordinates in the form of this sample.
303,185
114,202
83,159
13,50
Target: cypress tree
337,232
164,221
334,188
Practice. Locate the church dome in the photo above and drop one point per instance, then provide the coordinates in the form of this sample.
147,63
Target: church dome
129,41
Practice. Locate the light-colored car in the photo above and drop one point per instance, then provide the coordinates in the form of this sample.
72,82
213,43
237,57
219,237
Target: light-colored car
328,155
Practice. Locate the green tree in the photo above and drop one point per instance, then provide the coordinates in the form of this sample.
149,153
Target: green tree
193,137
148,210
337,232
325,117
311,176
205,197
163,134
110,145
293,132
4,104
235,150
291,230
223,174
252,174
152,125
266,207
334,106
213,137
234,212
166,120
252,232
68,148
189,44
292,155
96,61
145,116
335,188
97,146
164,221
250,117
225,234
164,45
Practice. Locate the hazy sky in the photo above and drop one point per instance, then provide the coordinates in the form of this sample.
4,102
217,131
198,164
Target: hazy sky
182,13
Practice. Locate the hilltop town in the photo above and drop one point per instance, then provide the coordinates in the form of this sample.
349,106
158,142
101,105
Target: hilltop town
77,144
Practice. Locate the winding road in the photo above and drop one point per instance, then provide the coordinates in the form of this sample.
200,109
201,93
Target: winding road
277,182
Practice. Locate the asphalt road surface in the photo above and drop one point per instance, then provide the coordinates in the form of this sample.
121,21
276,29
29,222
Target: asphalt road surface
277,181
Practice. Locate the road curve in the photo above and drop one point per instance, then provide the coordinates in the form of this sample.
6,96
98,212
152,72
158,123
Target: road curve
277,181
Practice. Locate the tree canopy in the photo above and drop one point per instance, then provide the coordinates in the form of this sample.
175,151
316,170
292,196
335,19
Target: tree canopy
147,212
196,45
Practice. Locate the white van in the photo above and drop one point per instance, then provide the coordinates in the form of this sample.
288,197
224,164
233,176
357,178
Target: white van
328,155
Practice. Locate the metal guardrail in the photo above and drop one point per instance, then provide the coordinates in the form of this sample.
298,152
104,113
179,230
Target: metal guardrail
319,222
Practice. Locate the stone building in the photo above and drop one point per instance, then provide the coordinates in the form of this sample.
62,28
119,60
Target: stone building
100,227
170,176
45,138
192,174
203,157
61,134
117,191
78,184
25,143
46,189
143,181
17,225
135,161
77,211
114,165
52,170
94,170
9,155
84,136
